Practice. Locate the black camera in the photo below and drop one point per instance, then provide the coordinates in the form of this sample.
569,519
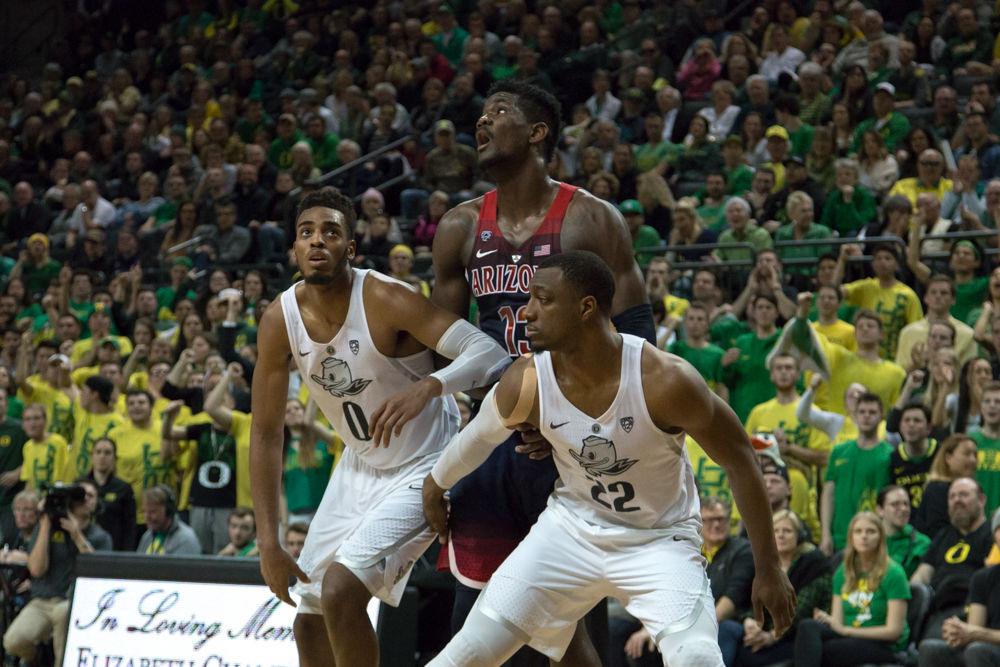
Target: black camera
60,497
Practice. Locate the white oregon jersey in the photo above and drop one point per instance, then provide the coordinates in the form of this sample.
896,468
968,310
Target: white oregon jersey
349,379
618,469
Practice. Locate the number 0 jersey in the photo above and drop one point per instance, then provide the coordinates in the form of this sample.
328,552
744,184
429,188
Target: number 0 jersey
499,273
618,470
349,379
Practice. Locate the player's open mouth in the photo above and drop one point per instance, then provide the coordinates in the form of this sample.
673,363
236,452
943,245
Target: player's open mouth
317,258
482,140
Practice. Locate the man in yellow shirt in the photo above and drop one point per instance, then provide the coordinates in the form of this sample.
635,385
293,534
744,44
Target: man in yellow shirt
829,323
803,448
49,386
939,298
658,281
84,351
895,302
93,418
930,178
44,452
139,443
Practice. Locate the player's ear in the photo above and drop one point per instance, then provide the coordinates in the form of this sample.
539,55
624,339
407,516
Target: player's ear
352,248
588,308
539,131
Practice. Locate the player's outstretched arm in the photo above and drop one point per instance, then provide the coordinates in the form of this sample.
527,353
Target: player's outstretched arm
509,403
477,361
451,289
270,379
681,399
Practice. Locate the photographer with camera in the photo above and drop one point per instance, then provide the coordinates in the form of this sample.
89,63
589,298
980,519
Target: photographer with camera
64,530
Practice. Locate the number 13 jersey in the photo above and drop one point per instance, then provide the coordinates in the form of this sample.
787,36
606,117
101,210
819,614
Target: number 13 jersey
619,470
349,379
499,274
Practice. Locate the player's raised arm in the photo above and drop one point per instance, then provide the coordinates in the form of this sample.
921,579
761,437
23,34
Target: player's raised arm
606,234
511,402
270,380
477,361
681,399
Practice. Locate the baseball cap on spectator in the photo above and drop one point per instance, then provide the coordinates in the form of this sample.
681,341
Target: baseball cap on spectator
286,117
631,206
444,8
403,248
112,341
74,81
38,236
733,140
309,95
444,125
886,87
288,92
183,261
795,159
776,131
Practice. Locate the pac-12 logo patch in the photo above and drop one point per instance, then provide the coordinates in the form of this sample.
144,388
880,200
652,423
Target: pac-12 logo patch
627,423
485,235
354,346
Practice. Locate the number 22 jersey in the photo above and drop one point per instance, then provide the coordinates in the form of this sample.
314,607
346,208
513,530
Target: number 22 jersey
620,469
349,379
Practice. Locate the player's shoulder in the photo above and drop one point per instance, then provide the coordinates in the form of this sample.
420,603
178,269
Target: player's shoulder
460,219
585,203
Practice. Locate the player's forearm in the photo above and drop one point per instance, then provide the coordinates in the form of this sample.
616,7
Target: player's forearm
265,481
477,361
472,446
747,485
826,509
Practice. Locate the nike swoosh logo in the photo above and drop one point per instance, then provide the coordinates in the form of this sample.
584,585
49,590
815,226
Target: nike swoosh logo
416,487
480,253
306,353
555,426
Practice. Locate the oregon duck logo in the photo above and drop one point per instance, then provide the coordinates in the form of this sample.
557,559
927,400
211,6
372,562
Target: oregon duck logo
337,379
598,457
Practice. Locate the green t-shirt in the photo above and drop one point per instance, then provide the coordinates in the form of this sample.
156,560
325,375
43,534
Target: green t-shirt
968,296
15,408
706,360
988,468
12,439
907,547
37,279
738,180
868,609
815,232
82,311
858,475
304,487
714,217
280,152
725,330
748,379
647,156
801,140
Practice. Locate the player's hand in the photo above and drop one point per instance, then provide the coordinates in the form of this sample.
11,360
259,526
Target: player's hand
390,418
826,544
731,356
9,478
772,590
278,567
533,443
640,641
436,508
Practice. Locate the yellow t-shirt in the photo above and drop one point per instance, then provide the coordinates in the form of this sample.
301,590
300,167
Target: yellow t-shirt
883,378
240,430
139,462
88,427
766,418
840,332
43,461
58,406
897,305
911,188
82,347
711,479
675,305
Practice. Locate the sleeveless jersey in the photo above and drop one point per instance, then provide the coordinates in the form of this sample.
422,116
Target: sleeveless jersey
499,273
349,379
618,470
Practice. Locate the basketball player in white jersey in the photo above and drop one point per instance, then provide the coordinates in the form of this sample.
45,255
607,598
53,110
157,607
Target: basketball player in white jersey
623,521
362,343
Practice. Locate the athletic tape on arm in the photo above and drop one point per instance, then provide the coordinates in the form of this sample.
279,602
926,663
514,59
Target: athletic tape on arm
472,446
477,360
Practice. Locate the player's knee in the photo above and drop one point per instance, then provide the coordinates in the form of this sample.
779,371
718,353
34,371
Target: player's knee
697,652
342,592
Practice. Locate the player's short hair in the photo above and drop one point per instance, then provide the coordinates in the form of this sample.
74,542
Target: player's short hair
869,397
587,273
330,198
537,105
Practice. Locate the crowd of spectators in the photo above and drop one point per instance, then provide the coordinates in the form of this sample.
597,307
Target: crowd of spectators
810,185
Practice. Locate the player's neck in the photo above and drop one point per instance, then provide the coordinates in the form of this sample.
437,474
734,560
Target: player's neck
585,359
869,440
868,351
524,192
991,430
918,448
828,319
331,298
885,282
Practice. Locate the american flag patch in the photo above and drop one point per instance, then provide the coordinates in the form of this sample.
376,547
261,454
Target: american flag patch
543,249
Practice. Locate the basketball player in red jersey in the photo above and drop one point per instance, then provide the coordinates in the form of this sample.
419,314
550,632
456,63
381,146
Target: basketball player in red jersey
488,248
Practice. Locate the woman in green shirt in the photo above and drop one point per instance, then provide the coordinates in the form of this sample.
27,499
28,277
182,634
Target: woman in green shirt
867,619
309,459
